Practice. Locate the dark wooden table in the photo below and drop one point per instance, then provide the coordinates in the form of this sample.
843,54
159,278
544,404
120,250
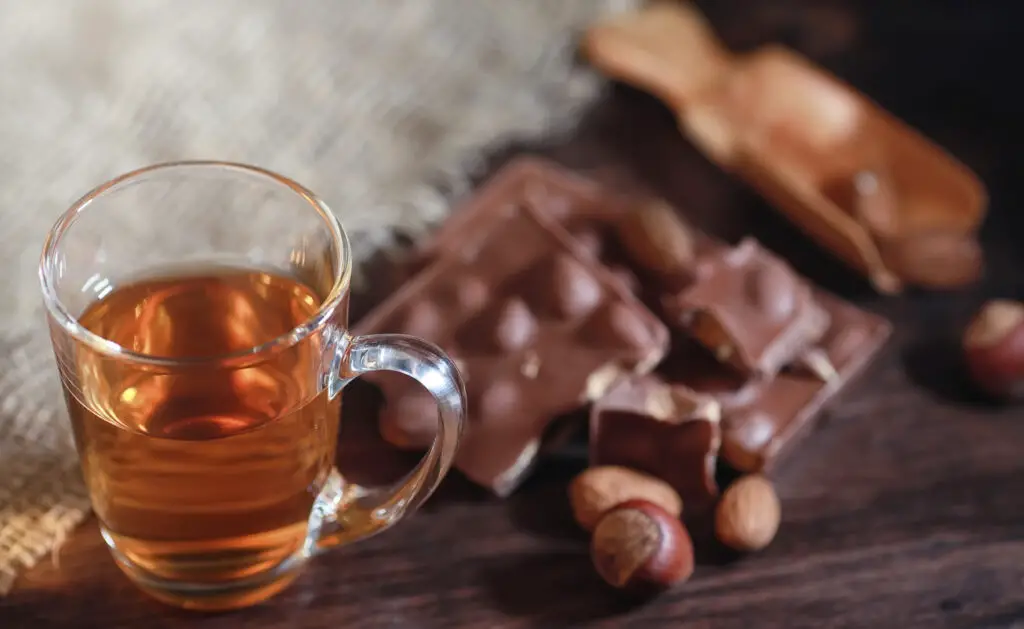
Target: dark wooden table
904,509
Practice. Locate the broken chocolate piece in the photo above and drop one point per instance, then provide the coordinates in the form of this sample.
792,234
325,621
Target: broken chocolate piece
750,309
667,431
556,331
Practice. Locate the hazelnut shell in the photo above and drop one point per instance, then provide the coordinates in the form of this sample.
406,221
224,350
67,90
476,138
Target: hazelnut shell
640,547
994,349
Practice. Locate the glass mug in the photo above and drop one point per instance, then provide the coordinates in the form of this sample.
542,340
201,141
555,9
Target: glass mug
198,314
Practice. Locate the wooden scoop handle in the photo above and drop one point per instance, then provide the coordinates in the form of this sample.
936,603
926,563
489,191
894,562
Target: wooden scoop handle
667,49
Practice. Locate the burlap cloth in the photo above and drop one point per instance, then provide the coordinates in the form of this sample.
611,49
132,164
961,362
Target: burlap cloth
383,108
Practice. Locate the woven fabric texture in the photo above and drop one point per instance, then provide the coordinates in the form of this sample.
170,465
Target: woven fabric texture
383,108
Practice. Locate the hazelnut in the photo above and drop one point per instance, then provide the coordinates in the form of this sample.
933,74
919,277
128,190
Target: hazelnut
640,546
747,516
994,348
657,240
598,489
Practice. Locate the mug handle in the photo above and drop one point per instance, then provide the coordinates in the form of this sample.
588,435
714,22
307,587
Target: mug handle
346,512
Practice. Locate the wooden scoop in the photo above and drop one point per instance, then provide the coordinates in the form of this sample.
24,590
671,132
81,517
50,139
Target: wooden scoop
876,193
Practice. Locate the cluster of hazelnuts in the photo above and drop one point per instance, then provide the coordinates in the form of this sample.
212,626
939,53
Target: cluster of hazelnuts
638,541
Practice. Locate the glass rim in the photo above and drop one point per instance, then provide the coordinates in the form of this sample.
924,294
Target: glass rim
70,324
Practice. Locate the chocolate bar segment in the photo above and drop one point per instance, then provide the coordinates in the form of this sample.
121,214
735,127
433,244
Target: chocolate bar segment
537,330
759,430
668,431
751,309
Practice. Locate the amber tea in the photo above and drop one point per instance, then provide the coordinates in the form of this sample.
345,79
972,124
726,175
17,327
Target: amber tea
201,474
205,400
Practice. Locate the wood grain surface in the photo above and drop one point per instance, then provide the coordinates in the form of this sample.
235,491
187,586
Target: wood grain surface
905,508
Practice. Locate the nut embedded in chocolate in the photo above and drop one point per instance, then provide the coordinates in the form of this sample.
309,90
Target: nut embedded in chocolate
746,435
601,380
617,325
772,289
515,326
507,325
572,290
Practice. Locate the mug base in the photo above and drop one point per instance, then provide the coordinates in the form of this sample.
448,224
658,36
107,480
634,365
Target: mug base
209,596
214,599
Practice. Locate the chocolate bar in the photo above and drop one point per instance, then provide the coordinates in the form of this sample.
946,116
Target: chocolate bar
537,331
668,431
767,407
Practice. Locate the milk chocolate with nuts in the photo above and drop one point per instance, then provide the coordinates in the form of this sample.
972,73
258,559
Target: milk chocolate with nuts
813,343
537,330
